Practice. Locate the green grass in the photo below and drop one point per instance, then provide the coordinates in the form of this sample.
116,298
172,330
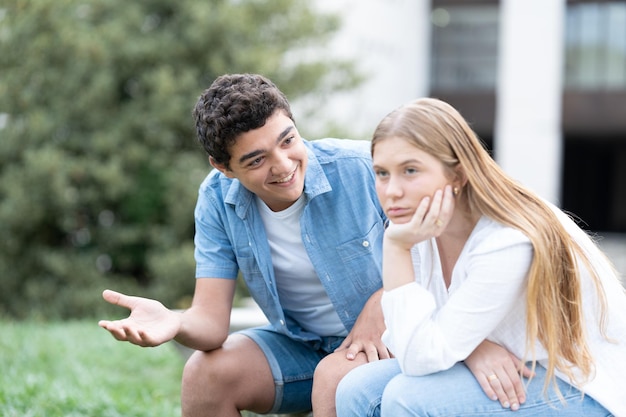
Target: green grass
77,369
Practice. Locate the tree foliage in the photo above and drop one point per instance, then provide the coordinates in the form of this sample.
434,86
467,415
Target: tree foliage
99,166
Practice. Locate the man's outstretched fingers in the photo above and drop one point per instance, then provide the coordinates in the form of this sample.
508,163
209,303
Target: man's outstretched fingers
117,298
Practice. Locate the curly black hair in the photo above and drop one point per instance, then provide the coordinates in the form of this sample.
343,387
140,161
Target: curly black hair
232,105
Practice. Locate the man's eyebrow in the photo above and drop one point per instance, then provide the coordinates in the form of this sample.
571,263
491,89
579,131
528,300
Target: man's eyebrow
250,155
284,133
256,152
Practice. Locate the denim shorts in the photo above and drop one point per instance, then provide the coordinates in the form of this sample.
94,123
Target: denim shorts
292,363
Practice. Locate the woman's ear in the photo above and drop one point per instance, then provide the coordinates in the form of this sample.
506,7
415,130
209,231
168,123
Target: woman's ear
221,167
460,179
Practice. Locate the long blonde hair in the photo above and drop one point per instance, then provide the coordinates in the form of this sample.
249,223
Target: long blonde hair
554,300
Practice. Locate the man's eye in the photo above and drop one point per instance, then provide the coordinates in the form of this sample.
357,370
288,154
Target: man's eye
255,162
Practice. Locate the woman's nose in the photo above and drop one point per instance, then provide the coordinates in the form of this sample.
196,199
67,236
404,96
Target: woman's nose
394,187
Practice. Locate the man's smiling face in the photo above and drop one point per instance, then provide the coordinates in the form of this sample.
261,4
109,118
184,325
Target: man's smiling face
270,162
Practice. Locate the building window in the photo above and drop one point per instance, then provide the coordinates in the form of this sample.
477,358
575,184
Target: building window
595,39
464,48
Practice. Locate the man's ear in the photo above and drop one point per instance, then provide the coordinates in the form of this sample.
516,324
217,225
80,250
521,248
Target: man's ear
221,167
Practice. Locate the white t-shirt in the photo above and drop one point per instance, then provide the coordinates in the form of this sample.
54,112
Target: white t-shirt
300,291
430,328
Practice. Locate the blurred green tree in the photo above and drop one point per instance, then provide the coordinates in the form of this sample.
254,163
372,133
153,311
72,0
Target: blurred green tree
99,166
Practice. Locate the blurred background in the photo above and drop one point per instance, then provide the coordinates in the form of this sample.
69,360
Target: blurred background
99,166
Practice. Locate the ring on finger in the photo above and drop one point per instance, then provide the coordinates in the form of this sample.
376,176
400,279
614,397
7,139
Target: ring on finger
438,222
492,377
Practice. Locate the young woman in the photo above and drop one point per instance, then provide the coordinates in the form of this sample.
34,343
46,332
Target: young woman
469,255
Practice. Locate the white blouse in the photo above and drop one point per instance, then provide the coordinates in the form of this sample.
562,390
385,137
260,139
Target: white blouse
430,328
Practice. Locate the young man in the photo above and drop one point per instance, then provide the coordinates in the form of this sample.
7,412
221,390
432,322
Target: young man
302,224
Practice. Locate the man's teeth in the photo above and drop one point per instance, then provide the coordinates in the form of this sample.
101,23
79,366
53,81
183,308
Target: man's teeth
286,179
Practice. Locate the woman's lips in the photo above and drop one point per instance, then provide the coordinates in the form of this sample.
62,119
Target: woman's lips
398,212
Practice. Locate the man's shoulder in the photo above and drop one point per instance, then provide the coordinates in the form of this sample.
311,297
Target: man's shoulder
215,184
333,148
213,177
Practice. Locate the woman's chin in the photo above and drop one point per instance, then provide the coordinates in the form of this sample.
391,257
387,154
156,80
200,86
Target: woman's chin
400,219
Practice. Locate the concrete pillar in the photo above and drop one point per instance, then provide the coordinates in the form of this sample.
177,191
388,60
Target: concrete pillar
527,134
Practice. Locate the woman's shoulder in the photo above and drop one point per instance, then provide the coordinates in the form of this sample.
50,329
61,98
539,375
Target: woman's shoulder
490,235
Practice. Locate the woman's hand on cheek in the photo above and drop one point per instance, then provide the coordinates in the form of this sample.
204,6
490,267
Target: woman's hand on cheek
429,220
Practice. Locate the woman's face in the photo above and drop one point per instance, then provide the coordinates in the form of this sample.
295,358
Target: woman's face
404,176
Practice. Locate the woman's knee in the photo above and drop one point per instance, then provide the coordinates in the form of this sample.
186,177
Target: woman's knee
394,398
353,399
349,389
360,391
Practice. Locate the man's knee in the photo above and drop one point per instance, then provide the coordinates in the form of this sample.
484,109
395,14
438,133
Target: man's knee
328,374
198,367
196,392
200,375
335,366
235,376
207,384
324,371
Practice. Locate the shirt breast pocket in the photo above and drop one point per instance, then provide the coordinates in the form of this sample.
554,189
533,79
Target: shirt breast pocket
362,258
253,278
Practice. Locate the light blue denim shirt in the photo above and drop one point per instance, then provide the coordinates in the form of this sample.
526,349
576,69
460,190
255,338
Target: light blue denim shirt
342,228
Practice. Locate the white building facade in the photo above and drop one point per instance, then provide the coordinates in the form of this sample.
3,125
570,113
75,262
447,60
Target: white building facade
519,71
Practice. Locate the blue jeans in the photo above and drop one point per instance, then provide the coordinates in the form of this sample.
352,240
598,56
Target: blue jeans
292,363
379,389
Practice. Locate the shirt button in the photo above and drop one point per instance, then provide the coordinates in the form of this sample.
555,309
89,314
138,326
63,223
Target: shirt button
365,243
282,322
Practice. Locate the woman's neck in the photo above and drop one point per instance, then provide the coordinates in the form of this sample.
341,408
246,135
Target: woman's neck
451,242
